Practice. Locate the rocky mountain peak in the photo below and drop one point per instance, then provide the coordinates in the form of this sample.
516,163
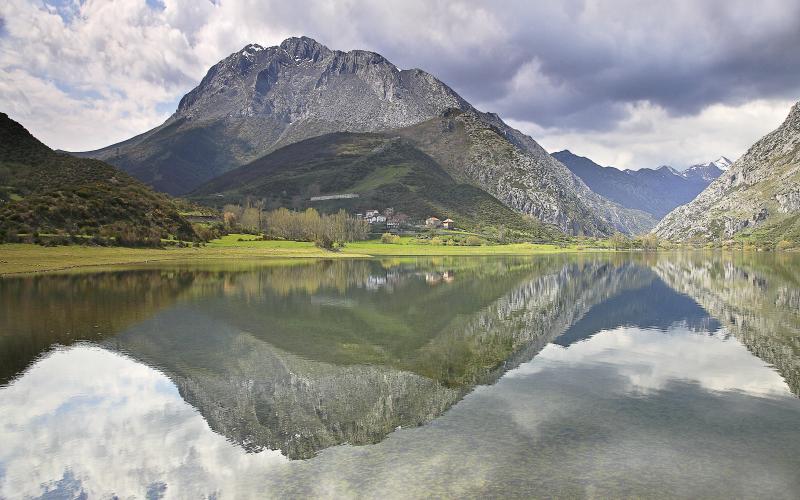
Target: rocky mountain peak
284,81
305,48
707,171
721,163
666,169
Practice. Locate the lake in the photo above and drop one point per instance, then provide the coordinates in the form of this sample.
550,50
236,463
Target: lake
663,375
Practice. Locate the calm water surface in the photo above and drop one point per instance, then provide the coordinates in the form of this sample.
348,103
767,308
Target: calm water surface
585,376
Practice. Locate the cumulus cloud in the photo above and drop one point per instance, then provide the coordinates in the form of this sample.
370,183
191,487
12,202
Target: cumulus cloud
648,361
577,69
84,419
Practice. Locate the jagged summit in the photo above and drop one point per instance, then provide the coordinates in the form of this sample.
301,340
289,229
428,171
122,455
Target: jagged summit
707,171
259,98
721,163
667,169
268,81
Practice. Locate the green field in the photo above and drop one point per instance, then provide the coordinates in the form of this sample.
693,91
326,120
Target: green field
26,258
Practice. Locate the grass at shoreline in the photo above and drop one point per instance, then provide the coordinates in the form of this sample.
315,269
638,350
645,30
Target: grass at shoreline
20,258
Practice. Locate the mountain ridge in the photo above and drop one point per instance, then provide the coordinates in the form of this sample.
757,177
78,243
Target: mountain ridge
655,191
43,191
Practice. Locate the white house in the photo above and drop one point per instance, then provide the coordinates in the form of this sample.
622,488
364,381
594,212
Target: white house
433,222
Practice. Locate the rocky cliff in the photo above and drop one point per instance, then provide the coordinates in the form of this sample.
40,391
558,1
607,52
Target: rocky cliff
758,195
521,174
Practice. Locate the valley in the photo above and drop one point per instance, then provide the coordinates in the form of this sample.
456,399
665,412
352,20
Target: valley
302,126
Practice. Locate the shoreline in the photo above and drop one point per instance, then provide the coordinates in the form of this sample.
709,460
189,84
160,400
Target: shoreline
24,258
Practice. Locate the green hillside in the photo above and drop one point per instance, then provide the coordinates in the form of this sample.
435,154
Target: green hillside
384,171
42,191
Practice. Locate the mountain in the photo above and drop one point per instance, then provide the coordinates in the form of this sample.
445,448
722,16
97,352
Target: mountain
758,196
721,163
707,172
259,100
47,192
383,169
455,165
655,191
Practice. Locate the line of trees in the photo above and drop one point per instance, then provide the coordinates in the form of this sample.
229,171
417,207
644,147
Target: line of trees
326,230
249,218
648,241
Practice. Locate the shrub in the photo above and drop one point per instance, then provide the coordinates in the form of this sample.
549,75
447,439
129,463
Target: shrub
205,232
324,241
784,245
436,240
473,241
390,238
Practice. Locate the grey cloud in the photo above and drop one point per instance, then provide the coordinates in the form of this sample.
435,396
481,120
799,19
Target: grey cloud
568,66
683,56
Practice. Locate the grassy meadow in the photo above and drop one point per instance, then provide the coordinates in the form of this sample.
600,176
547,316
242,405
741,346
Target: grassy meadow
27,258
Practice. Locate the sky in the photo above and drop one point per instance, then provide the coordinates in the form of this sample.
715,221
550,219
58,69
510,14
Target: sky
627,83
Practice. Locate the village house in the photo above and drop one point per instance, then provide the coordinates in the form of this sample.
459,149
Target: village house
448,224
433,222
373,217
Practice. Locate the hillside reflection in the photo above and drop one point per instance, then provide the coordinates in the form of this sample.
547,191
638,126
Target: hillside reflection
302,356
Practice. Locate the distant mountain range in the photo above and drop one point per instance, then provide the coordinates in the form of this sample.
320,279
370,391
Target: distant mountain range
758,196
655,191
259,100
42,191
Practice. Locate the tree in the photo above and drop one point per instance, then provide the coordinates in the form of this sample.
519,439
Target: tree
650,241
251,219
327,231
619,240
473,241
501,234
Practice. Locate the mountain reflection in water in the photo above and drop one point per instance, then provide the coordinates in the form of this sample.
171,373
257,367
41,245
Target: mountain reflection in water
299,357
